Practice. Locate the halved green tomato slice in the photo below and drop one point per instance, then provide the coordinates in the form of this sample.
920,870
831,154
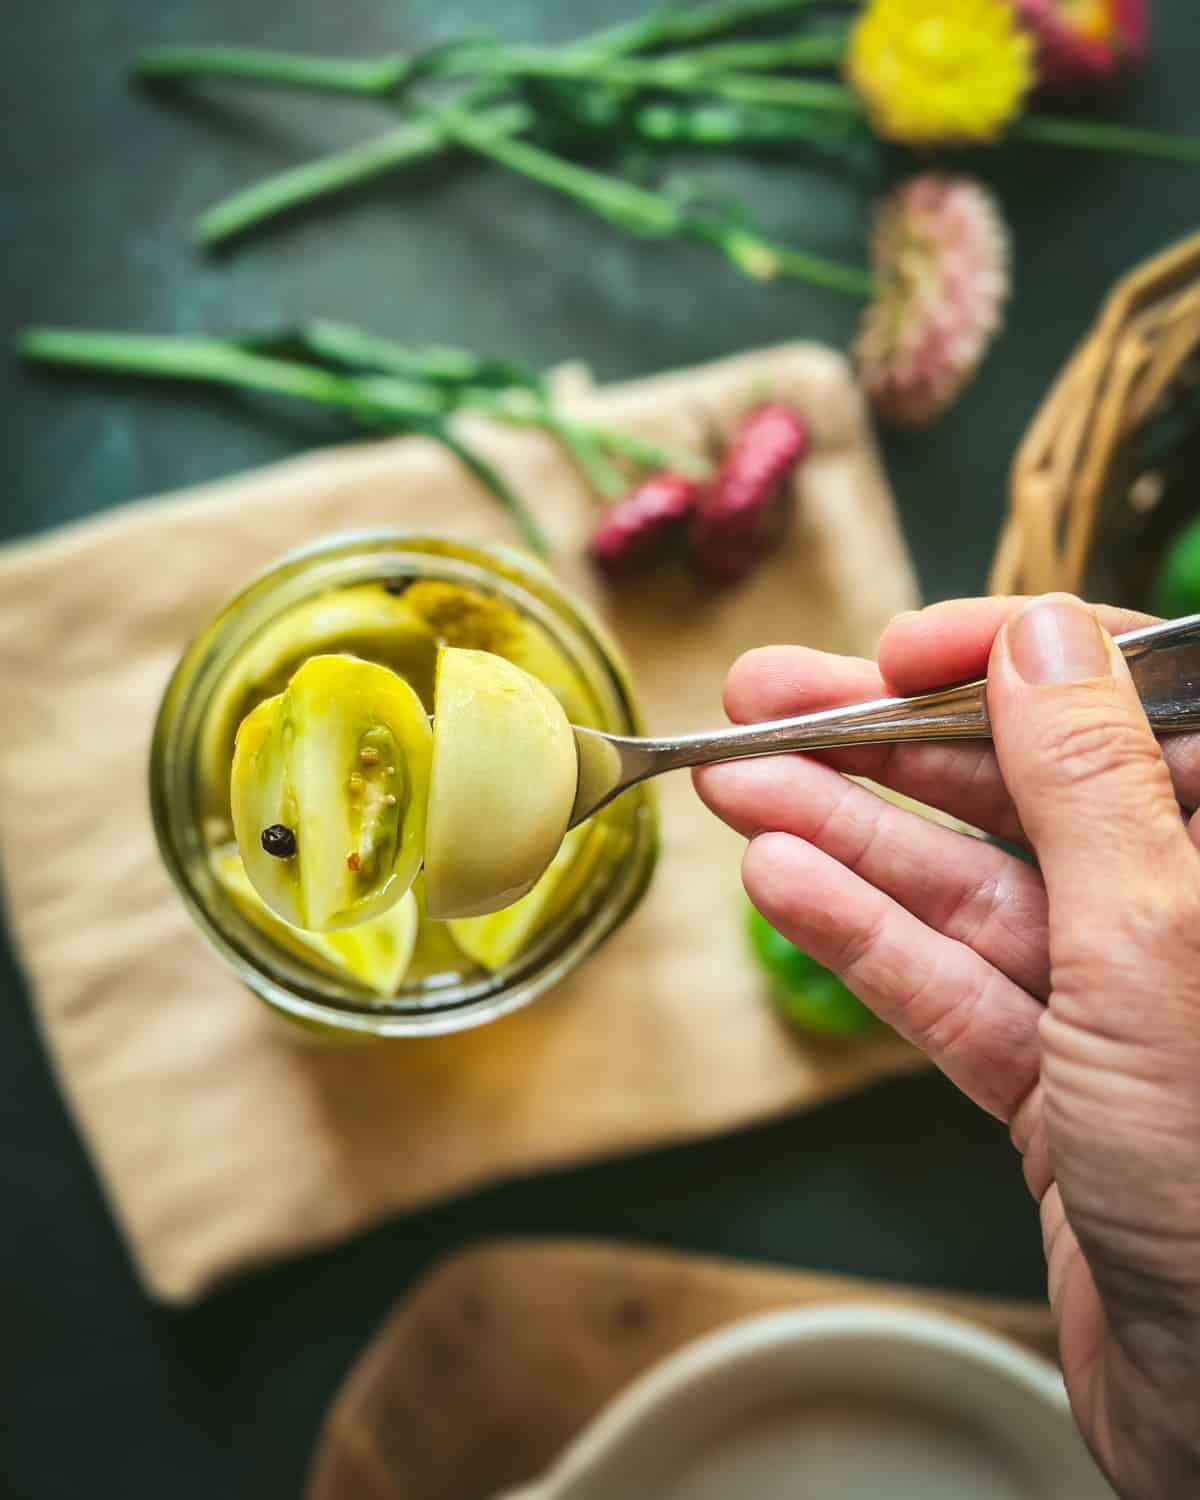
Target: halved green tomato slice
465,617
495,940
502,785
360,620
329,790
377,953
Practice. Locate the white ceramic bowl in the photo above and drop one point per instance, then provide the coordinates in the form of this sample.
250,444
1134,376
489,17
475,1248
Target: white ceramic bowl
836,1403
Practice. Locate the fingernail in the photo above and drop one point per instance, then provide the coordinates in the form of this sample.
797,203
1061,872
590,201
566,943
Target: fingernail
1057,639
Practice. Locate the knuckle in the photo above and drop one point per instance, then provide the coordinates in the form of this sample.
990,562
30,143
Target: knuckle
854,947
1162,918
1087,748
1153,936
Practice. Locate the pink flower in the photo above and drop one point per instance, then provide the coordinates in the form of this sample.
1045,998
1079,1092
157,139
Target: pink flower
642,527
1084,41
940,253
744,512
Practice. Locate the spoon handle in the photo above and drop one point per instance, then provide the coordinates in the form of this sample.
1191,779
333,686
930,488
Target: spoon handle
1164,660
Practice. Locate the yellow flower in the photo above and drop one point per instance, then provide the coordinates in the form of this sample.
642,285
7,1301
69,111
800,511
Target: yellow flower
933,71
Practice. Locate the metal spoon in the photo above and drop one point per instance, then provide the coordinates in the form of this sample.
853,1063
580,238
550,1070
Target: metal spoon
1164,660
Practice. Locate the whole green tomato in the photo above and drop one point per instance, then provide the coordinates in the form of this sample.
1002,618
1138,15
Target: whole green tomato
805,994
1177,588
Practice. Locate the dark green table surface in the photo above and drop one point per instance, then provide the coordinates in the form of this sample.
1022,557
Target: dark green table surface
102,1392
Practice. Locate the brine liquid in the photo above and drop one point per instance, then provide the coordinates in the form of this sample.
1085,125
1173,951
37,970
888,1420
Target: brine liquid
402,629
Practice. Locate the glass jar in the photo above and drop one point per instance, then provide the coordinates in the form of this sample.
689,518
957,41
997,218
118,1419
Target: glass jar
444,992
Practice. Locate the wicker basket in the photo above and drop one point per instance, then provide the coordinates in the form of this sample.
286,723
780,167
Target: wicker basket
1110,467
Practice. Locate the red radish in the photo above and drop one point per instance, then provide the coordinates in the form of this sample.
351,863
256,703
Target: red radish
640,528
744,510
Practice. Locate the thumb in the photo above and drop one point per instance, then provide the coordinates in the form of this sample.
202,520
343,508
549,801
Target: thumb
1086,774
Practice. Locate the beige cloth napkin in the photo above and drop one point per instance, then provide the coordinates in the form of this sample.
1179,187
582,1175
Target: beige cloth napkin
221,1138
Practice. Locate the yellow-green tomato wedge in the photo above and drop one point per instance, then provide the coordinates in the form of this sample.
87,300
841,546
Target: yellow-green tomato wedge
377,953
437,956
502,788
329,791
360,620
495,940
464,617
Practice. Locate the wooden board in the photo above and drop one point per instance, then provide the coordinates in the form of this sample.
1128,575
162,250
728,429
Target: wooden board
480,1377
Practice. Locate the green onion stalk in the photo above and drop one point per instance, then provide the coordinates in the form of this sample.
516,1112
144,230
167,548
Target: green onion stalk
379,385
644,212
414,141
692,70
418,139
389,74
733,104
506,389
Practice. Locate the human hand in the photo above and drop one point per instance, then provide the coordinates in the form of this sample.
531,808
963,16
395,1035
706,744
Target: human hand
1065,999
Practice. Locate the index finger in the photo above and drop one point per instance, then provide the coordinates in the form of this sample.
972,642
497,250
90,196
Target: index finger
951,642
925,649
959,776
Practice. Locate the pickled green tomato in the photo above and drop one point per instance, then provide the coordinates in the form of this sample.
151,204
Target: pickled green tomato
332,771
328,791
805,994
495,939
502,786
361,620
377,953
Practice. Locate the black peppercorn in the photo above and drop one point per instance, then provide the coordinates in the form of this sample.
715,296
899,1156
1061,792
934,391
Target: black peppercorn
279,840
396,585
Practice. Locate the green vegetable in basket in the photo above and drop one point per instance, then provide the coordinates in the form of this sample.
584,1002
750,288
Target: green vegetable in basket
1177,587
805,994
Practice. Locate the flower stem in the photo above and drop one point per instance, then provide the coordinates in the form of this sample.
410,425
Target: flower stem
679,26
639,451
384,75
413,141
503,389
381,75
1096,135
346,346
592,462
421,139
373,401
499,388
765,260
490,477
744,125
802,50
168,357
803,93
587,442
696,69
589,456
633,208
653,214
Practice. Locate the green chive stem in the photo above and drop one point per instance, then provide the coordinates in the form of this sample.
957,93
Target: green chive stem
384,75
648,213
381,75
695,69
1097,135
374,401
413,141
421,138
